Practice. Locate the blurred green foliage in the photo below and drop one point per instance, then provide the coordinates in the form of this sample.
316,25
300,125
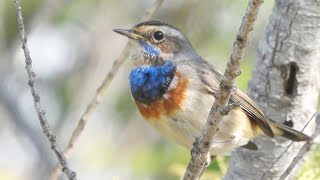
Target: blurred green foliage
162,166
125,107
10,28
160,160
311,169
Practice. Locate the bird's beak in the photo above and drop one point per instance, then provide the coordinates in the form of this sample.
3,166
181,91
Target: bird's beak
129,33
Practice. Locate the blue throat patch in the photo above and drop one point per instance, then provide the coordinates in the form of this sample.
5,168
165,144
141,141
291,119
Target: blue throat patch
148,48
148,83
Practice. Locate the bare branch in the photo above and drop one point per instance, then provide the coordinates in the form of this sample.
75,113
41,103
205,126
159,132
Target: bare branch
100,93
201,149
281,52
286,150
36,98
225,111
304,149
11,103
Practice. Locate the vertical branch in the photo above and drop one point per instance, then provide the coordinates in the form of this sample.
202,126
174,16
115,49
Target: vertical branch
101,92
36,98
200,151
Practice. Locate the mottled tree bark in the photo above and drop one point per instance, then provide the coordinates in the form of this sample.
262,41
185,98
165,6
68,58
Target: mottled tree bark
284,84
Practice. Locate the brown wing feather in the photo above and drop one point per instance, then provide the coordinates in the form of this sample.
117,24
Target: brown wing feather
253,111
211,79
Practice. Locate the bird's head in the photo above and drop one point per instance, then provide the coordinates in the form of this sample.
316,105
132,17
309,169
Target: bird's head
154,42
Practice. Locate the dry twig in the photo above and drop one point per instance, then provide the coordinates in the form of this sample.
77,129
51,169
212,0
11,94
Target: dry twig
36,98
304,149
286,150
202,145
101,92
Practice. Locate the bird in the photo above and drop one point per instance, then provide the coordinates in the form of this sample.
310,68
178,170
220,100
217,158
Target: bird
174,89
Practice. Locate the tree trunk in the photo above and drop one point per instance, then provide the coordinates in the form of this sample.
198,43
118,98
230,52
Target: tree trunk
284,85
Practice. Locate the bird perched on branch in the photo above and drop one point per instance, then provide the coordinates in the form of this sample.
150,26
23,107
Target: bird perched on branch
174,88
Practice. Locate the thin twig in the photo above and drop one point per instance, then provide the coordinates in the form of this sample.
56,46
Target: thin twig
225,111
304,149
201,149
286,150
36,98
17,117
100,93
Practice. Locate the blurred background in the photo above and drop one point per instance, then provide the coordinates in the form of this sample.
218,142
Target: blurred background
72,46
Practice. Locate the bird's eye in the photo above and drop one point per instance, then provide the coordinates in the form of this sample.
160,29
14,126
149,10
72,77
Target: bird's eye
158,35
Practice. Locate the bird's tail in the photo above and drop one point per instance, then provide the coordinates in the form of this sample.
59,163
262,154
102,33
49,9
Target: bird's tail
287,132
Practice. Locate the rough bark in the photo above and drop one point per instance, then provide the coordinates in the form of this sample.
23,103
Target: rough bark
284,84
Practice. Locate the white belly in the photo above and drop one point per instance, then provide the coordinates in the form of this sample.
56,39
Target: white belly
187,124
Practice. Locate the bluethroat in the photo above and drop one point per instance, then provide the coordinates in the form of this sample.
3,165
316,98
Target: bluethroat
173,88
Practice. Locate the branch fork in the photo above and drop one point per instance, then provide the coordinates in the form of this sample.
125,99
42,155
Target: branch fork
225,111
